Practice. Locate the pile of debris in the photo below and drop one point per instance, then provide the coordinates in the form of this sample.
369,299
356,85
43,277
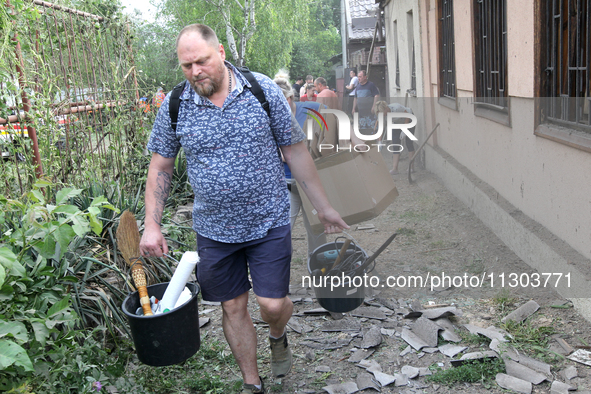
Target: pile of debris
421,328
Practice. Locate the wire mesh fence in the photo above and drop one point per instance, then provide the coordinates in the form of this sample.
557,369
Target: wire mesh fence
69,92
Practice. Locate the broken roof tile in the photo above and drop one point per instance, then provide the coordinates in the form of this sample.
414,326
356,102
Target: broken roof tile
427,331
360,354
523,312
369,312
413,339
451,350
512,383
523,372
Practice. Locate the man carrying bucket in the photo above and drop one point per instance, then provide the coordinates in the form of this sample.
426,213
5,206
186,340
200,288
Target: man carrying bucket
241,208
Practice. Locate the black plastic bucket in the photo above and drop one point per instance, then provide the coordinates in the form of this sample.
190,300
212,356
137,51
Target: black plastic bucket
168,338
338,299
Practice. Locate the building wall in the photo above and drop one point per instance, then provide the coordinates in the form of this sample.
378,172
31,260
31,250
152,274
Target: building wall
398,11
546,180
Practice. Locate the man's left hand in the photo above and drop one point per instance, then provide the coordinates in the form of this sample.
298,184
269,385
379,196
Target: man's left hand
332,221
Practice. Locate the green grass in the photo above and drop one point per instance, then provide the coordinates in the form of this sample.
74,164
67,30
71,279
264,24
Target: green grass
414,215
209,371
531,340
503,300
474,339
477,371
406,231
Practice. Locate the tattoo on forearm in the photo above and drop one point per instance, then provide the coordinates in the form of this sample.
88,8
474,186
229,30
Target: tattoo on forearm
161,194
304,184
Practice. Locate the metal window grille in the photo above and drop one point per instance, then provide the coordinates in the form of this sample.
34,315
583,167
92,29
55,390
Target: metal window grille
568,68
490,26
395,41
447,60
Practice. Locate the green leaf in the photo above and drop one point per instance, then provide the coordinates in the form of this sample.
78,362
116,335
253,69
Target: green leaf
41,183
2,275
64,235
70,209
98,201
96,225
6,292
65,194
11,353
46,248
81,225
59,306
7,257
37,196
41,331
15,329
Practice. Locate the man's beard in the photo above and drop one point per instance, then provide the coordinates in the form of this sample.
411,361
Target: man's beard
211,84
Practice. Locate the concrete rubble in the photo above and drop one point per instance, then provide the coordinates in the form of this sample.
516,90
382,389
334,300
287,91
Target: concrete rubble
406,337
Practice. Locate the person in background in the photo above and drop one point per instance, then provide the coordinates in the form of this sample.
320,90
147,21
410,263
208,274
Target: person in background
144,104
325,95
310,95
241,208
351,88
397,136
299,110
296,88
309,80
158,98
366,96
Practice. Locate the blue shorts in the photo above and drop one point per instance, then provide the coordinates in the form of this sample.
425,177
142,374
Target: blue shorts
223,268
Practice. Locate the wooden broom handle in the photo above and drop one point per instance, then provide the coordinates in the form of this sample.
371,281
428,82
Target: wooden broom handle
145,300
342,253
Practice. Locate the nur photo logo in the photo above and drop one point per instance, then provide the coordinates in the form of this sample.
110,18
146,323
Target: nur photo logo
399,122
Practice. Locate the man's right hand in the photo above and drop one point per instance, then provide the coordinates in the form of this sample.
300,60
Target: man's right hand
153,243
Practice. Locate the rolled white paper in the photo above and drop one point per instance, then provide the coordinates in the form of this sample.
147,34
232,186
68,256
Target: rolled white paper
184,297
179,280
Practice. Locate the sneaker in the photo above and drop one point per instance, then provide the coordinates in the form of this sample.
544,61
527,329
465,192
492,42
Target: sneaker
251,389
281,358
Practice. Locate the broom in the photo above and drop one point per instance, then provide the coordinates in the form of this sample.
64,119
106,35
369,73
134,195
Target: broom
128,239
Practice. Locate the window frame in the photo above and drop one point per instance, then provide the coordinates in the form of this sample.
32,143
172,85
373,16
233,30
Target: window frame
446,51
495,107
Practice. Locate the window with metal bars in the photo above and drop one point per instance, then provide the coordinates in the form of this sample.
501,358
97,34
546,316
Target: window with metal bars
447,51
490,32
395,41
567,68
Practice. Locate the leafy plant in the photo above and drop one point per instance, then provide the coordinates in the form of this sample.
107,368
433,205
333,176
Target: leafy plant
38,321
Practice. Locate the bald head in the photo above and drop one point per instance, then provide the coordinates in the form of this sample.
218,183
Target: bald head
206,33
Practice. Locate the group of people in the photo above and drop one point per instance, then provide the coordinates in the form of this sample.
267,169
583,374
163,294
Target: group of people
361,96
245,153
315,90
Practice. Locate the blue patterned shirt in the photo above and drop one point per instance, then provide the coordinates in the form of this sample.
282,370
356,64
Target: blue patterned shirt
233,158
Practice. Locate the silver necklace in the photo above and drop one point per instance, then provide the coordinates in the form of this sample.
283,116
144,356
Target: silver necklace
230,81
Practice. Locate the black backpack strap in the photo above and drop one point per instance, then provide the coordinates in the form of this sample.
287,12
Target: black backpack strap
255,88
175,103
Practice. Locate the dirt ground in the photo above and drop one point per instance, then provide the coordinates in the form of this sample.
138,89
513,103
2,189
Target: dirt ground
437,235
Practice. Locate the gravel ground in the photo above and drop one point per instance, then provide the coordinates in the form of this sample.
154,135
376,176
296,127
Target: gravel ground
437,235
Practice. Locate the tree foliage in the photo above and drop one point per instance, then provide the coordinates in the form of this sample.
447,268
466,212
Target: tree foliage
317,40
265,36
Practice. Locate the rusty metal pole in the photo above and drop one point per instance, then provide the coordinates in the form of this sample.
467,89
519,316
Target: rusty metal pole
20,69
